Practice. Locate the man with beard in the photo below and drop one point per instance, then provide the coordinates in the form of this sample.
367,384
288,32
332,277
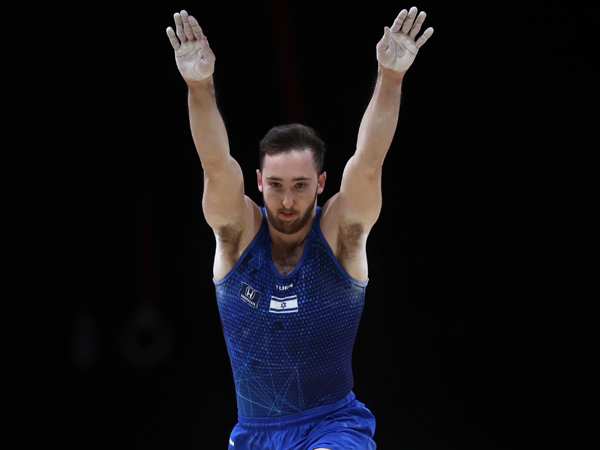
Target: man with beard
290,277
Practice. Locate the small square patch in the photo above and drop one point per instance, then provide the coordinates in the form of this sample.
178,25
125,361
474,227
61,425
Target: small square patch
249,295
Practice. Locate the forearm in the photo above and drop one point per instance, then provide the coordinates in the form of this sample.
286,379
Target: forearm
206,123
379,122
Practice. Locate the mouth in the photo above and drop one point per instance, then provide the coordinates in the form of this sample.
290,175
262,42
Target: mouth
287,215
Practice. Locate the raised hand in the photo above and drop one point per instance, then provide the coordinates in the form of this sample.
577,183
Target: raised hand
397,49
193,55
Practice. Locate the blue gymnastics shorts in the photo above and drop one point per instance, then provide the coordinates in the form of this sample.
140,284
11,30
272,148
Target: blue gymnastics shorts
343,425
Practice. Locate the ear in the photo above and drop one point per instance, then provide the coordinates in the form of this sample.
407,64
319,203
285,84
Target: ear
322,178
259,179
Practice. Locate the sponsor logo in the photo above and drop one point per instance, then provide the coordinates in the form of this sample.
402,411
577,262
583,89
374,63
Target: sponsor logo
284,288
249,295
284,305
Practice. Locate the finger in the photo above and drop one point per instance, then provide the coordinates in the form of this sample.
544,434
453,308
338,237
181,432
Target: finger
399,21
207,52
196,28
408,23
417,26
426,35
179,27
385,40
173,39
187,29
386,51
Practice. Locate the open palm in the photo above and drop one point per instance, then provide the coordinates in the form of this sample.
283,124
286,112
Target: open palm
193,55
397,49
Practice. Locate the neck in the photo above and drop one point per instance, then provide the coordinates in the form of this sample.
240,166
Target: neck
290,241
287,249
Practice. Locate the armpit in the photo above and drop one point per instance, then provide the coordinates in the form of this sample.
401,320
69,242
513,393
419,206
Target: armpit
349,241
229,237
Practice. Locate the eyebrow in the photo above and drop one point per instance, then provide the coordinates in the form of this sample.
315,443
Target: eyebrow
293,179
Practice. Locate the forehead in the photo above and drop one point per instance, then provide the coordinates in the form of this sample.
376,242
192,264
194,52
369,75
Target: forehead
295,163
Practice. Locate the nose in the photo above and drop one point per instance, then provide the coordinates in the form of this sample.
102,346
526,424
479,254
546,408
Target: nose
288,200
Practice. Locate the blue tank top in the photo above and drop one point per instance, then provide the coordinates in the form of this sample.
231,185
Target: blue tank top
289,337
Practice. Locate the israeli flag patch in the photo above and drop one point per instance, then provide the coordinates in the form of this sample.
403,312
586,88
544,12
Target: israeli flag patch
284,305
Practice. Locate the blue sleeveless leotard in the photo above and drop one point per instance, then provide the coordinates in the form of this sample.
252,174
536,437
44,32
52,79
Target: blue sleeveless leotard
289,337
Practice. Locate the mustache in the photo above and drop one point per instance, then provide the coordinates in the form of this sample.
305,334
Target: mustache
288,211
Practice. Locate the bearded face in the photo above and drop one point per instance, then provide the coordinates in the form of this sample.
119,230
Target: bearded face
295,220
290,184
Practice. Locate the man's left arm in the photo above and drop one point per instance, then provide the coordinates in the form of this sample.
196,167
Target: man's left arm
359,199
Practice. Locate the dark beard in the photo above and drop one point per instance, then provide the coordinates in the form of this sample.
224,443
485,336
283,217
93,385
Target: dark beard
290,227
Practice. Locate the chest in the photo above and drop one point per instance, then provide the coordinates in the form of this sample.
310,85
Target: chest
286,259
257,296
256,299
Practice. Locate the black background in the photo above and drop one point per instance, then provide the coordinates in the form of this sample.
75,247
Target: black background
476,323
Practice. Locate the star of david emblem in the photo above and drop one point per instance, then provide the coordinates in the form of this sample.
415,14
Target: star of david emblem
282,305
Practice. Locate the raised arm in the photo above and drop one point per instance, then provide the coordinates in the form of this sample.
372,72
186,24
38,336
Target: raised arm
360,192
226,209
350,214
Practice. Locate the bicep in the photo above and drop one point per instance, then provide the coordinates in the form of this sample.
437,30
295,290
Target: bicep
359,199
223,199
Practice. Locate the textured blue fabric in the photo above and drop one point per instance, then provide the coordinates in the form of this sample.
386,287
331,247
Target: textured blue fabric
289,337
344,425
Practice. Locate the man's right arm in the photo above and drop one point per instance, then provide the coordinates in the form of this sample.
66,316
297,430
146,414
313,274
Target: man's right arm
232,215
224,203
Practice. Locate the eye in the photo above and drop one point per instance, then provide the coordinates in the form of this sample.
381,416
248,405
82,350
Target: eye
275,184
301,185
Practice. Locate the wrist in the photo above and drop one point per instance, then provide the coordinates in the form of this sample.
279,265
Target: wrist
390,74
201,90
206,83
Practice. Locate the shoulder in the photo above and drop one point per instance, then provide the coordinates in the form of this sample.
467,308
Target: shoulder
333,221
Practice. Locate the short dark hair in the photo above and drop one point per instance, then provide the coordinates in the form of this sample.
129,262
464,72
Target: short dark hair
287,138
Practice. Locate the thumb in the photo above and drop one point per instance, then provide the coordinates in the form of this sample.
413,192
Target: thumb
208,53
385,40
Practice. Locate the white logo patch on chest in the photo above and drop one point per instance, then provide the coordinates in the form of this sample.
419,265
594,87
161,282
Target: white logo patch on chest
284,305
249,295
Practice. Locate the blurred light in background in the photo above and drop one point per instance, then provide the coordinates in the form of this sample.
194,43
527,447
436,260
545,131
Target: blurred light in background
146,340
